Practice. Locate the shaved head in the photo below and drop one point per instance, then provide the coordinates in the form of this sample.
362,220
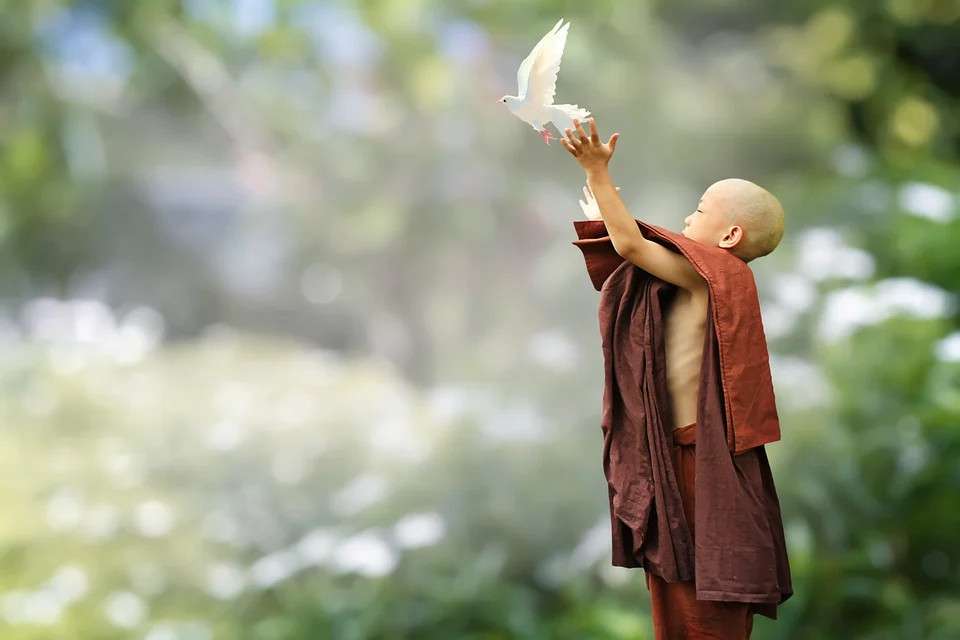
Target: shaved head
740,216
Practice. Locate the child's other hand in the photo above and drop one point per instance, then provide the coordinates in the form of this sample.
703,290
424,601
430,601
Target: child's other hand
590,208
590,152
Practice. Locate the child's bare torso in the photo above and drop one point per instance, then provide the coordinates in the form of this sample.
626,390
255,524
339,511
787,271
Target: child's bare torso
686,321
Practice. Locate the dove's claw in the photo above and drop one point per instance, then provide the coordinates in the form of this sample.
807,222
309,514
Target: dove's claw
546,135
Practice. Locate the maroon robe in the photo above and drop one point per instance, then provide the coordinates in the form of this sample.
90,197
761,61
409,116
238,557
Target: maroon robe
739,553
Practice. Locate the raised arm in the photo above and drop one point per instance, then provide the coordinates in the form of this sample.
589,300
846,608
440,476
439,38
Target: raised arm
652,257
594,156
673,267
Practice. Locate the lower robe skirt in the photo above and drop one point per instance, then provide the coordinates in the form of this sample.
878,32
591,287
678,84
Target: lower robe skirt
676,611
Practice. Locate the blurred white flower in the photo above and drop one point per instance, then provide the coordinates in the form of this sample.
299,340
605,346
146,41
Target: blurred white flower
365,553
419,530
777,320
553,349
847,309
180,630
360,493
823,254
100,521
32,607
64,509
446,403
948,348
792,294
154,518
69,324
395,435
84,321
521,420
803,382
315,547
125,470
225,580
793,291
927,201
140,331
274,568
162,631
593,545
225,435
124,609
69,583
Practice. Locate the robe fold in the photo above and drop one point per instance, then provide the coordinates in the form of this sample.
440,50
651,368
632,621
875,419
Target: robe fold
739,553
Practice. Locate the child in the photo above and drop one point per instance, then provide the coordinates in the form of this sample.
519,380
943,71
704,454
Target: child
687,291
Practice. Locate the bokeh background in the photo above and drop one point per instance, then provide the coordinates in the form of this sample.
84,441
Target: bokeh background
296,344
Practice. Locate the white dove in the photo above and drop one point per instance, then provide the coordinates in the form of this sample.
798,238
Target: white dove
537,80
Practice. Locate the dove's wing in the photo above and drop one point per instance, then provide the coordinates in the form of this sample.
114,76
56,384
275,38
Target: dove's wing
523,73
542,83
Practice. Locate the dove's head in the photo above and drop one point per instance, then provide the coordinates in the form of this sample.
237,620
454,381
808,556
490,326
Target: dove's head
509,100
739,216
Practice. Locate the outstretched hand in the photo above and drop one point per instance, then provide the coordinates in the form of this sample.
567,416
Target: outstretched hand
590,208
589,151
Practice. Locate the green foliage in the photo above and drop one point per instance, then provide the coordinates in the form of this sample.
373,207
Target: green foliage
334,172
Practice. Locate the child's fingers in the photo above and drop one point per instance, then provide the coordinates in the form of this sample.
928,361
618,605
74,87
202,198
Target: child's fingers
593,131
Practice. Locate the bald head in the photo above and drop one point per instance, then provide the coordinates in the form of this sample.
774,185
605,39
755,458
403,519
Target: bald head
752,208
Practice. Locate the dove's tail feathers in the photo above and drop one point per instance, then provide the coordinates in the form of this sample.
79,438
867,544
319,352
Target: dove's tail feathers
564,114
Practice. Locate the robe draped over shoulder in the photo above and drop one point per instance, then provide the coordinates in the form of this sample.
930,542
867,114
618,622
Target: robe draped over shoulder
739,553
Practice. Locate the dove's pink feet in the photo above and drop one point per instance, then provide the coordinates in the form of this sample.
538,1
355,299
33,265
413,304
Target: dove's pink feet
546,135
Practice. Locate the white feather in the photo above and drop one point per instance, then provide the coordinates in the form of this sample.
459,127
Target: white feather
537,84
543,58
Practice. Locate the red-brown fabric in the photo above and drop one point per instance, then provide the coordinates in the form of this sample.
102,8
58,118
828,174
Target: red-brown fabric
734,546
676,612
747,384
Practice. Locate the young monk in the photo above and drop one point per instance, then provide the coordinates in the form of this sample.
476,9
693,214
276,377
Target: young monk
739,218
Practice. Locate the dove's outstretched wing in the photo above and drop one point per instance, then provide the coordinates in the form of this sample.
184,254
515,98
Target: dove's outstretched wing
537,74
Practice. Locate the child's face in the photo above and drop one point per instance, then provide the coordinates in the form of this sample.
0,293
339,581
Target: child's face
710,222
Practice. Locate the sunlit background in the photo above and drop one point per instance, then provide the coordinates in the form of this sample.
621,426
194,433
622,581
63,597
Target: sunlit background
296,344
